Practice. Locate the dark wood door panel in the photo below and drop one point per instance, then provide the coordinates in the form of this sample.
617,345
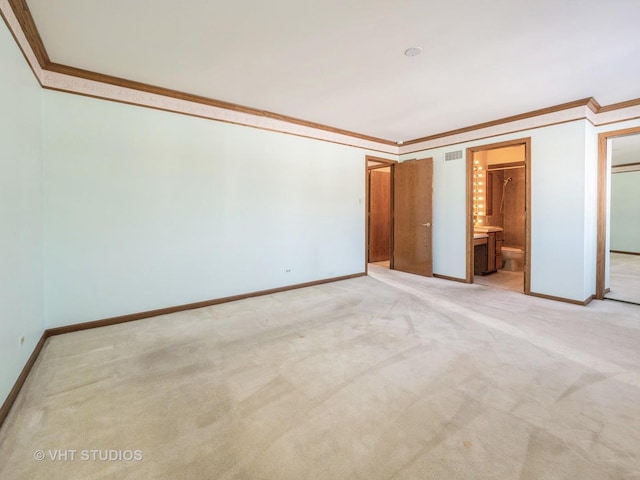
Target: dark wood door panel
412,217
379,215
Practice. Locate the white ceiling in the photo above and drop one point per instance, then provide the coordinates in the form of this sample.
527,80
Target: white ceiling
341,62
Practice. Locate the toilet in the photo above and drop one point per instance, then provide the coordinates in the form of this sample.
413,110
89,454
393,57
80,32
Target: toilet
513,258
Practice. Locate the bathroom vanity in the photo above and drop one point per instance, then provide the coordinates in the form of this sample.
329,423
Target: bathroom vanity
487,249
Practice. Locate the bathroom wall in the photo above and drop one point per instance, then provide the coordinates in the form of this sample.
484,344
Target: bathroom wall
511,216
494,182
514,208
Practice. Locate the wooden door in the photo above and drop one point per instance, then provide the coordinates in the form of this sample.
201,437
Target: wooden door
412,216
379,214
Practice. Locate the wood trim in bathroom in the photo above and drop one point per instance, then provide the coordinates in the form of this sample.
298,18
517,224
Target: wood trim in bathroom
452,279
13,394
602,205
583,303
625,253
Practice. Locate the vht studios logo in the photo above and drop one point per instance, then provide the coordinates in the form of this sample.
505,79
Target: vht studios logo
66,455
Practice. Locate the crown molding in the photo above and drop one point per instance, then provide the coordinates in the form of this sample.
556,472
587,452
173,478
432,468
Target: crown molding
55,76
242,115
27,25
515,118
585,109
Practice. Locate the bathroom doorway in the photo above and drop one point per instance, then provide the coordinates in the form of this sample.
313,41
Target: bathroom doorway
618,260
498,222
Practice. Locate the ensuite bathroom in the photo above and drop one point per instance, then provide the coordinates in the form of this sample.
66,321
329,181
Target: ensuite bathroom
499,217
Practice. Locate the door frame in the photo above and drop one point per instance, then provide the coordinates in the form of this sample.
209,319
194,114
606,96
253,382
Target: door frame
527,205
604,172
382,163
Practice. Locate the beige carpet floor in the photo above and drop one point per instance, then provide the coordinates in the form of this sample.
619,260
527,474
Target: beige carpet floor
389,376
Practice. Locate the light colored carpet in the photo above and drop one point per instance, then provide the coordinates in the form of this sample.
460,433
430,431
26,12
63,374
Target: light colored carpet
624,278
390,376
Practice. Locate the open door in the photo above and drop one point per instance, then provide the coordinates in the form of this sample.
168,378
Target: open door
412,216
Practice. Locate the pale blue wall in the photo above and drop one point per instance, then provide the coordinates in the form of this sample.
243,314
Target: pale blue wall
21,290
561,216
625,212
147,209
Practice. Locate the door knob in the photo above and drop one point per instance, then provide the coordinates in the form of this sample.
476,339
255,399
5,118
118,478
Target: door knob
426,224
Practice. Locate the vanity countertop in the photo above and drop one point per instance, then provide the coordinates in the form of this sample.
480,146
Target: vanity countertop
487,229
480,235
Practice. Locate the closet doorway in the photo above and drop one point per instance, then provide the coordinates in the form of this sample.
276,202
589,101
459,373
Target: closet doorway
399,215
618,250
379,211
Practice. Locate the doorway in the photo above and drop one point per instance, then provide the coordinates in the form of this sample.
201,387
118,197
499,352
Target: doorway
379,207
498,215
399,215
618,250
